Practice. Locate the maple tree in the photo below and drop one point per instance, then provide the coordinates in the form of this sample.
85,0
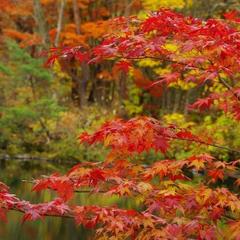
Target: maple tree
178,198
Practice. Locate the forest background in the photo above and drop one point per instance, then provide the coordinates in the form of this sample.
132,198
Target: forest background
62,76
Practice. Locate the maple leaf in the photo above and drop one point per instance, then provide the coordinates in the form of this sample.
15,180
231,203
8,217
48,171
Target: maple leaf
199,161
51,60
31,215
122,189
3,187
202,104
65,190
206,157
217,213
192,227
236,111
131,212
123,66
234,230
144,187
216,174
237,182
34,212
41,185
63,185
185,134
140,79
232,16
73,169
85,137
175,231
82,56
198,164
95,176
91,223
161,144
208,233
167,79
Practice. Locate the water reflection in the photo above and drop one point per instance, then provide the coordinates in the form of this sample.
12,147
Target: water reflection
12,172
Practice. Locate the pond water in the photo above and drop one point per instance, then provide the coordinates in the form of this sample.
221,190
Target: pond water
12,172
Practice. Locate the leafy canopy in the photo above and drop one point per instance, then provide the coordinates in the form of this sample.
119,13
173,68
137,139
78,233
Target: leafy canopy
178,199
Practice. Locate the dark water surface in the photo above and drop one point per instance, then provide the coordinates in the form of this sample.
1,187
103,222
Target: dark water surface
12,172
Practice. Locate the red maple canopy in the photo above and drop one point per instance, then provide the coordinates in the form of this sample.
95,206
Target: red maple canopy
173,203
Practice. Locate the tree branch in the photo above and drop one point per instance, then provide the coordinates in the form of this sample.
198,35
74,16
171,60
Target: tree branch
223,82
208,144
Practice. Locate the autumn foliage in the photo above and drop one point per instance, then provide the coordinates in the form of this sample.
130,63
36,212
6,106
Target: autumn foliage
171,205
196,51
177,198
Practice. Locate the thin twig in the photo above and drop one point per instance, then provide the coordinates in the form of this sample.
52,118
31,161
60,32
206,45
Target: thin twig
221,80
205,143
76,191
14,208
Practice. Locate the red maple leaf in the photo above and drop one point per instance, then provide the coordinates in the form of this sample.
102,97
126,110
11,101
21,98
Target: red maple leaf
232,16
216,174
202,104
124,66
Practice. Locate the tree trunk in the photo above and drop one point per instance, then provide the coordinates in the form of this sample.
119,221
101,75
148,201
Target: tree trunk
122,88
76,16
177,98
60,21
41,22
85,71
185,112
